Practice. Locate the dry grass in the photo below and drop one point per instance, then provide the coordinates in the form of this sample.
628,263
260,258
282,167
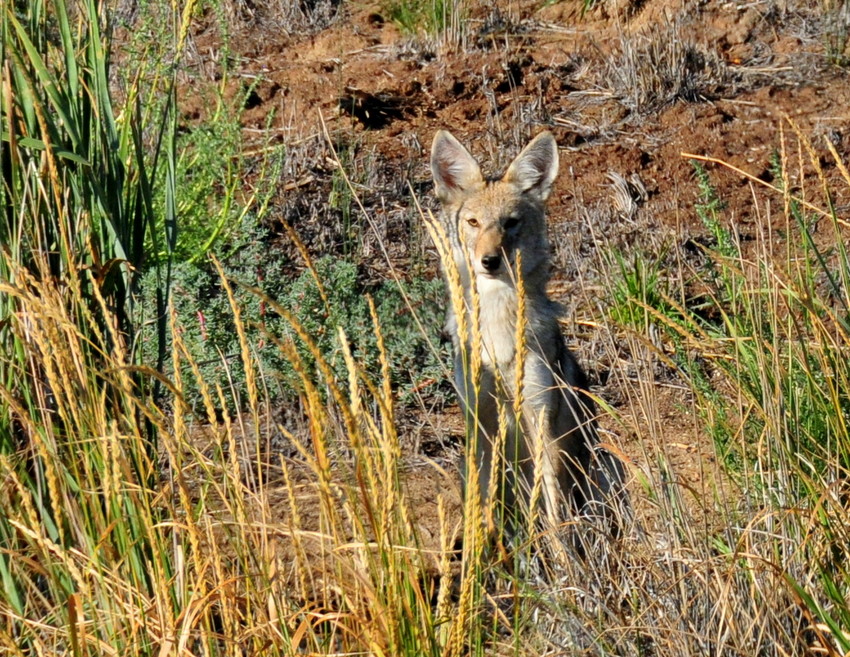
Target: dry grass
661,65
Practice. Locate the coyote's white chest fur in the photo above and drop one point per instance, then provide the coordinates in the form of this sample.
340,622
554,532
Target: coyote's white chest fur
497,314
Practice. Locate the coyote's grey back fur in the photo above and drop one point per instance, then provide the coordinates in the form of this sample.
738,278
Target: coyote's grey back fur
489,222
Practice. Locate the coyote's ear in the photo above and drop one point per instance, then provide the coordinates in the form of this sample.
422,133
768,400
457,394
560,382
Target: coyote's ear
535,169
454,169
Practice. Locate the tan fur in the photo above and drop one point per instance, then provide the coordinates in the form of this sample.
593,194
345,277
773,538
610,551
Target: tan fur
488,223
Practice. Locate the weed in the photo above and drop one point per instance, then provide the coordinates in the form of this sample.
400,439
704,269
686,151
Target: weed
640,294
441,19
341,201
79,170
780,347
709,209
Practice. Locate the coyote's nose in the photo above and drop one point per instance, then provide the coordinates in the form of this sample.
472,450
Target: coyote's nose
491,262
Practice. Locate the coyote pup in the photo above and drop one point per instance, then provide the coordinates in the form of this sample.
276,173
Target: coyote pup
488,223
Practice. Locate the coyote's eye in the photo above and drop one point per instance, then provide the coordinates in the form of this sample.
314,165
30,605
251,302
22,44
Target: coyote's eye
512,222
473,222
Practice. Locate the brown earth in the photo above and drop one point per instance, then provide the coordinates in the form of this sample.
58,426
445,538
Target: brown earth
627,89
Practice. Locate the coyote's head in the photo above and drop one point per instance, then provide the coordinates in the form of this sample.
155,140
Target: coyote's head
492,220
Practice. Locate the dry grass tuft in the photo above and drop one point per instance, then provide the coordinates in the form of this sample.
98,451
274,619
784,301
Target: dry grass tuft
662,65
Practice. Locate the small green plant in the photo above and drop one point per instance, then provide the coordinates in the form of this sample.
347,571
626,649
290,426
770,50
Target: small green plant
207,143
443,19
341,200
587,5
640,296
709,209
772,339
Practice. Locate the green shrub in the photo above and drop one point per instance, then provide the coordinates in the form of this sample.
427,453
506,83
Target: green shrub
205,318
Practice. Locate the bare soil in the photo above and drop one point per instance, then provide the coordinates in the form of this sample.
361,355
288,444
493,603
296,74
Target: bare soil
627,88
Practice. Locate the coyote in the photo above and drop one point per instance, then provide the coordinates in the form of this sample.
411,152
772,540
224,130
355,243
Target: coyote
491,226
